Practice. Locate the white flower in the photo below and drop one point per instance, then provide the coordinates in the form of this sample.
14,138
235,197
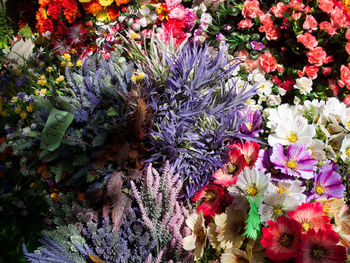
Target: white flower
292,129
317,147
20,52
206,18
274,100
265,87
251,182
333,109
282,91
276,205
296,100
345,119
146,17
292,188
304,85
345,149
283,113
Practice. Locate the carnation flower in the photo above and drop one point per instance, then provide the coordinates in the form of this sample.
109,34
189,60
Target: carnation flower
267,62
311,216
252,183
321,246
328,183
281,239
212,196
296,162
198,239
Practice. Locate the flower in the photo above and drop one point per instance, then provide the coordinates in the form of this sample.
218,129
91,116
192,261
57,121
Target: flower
252,122
250,9
316,56
228,175
310,23
250,150
296,162
54,9
292,188
251,182
311,216
278,9
245,23
345,149
105,2
321,246
326,5
267,62
281,239
304,85
342,221
212,196
198,239
328,183
345,76
311,72
257,45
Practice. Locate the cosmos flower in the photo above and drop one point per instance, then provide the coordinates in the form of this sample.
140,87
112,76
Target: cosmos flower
321,246
212,196
257,45
198,239
281,239
292,188
252,122
249,149
345,149
296,162
310,216
328,183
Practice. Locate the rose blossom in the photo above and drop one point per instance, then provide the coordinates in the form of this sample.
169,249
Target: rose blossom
308,40
328,27
245,23
272,33
316,56
267,62
347,34
304,84
311,71
250,9
345,75
347,47
278,9
326,5
310,23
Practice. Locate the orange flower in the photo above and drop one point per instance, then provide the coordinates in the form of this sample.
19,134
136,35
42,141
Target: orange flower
163,12
93,7
120,2
113,12
44,3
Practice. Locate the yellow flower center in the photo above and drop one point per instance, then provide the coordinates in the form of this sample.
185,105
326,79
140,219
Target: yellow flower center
277,211
292,137
306,226
210,196
286,240
249,126
231,168
347,152
320,189
281,190
291,164
252,190
348,123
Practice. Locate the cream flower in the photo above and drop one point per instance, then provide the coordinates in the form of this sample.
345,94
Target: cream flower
345,149
342,221
234,255
198,239
292,188
345,119
304,85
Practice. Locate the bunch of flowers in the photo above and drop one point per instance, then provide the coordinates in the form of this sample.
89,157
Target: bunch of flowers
104,10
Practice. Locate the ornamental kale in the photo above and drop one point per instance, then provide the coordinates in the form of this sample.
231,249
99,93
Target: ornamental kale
196,113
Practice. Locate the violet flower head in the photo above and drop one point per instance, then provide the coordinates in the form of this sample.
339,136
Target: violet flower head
257,45
251,123
328,183
296,161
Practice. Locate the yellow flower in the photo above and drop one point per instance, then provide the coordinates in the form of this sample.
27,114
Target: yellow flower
70,64
73,51
18,110
66,57
134,35
29,108
141,75
84,1
49,69
42,92
63,64
79,63
36,92
23,115
14,99
102,15
134,78
106,2
60,79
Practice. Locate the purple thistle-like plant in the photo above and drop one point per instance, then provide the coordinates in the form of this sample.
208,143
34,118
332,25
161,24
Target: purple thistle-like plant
296,161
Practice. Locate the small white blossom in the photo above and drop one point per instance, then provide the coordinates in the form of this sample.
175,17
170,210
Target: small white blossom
304,84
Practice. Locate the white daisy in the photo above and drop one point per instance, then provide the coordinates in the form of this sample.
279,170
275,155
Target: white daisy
345,149
333,108
291,188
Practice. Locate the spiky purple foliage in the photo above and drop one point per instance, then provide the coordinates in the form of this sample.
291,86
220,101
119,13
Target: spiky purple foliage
196,113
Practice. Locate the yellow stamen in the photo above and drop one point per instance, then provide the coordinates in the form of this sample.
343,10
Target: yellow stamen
291,164
292,137
306,226
347,152
252,190
281,190
320,189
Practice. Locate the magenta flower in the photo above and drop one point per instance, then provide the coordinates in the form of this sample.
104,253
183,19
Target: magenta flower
296,162
257,45
251,124
328,183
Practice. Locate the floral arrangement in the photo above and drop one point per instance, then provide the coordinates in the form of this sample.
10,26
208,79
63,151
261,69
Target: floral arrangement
175,131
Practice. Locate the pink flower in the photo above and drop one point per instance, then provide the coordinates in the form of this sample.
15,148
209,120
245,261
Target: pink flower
345,75
281,239
316,56
296,15
347,100
347,47
326,71
245,23
266,20
321,246
347,34
278,9
339,19
308,40
250,9
325,5
310,23
267,62
296,5
328,27
273,33
178,12
333,86
311,71
172,3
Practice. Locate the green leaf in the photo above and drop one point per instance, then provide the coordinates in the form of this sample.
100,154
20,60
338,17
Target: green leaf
112,112
26,32
253,226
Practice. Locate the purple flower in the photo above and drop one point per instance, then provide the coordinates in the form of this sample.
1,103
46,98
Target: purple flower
220,37
257,45
328,183
297,161
20,95
263,161
252,122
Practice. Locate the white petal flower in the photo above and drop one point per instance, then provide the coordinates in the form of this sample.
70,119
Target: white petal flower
345,149
291,188
304,85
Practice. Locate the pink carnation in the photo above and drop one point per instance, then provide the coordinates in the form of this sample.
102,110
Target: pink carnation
266,20
267,62
347,34
339,19
310,23
316,56
296,5
345,75
311,71
278,9
245,23
170,4
347,47
308,40
250,9
272,33
326,71
333,86
328,27
178,12
296,15
325,5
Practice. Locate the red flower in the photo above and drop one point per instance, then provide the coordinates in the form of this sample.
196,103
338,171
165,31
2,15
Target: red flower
345,75
212,196
245,23
316,56
250,9
232,169
310,23
287,84
308,40
267,62
54,9
281,239
321,247
311,216
250,150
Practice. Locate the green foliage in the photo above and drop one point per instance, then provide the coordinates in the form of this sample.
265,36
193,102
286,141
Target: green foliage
253,226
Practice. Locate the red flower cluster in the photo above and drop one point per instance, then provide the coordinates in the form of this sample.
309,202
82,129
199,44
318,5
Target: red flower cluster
305,236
